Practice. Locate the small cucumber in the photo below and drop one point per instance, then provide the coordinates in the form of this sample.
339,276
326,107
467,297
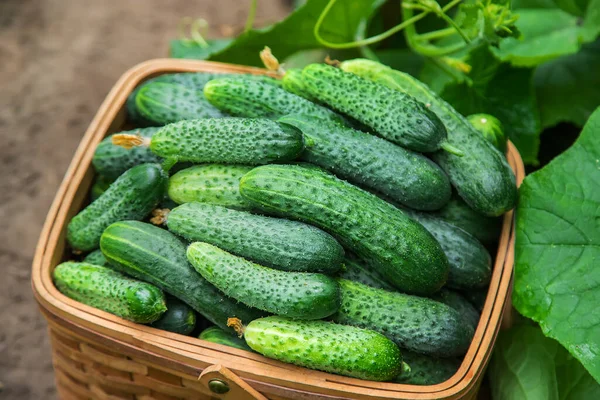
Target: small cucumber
398,247
255,99
325,346
179,318
96,257
217,335
272,242
395,116
209,183
157,256
414,323
470,262
111,160
405,176
459,303
482,175
293,83
426,370
358,271
300,295
110,291
132,196
100,185
491,128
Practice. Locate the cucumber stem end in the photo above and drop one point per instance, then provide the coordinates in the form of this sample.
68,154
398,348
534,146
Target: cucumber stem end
451,149
237,325
159,216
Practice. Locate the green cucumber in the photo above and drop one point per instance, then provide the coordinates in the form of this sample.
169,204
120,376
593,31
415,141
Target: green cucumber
399,248
366,160
111,160
482,175
300,295
209,183
358,271
491,128
476,297
100,185
395,116
157,256
470,262
426,370
272,242
110,291
96,257
132,196
459,303
217,335
179,317
325,346
415,323
255,99
293,83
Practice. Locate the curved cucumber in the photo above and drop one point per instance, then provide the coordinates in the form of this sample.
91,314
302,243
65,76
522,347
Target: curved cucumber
110,291
96,257
414,323
399,248
179,318
395,116
111,160
100,185
132,196
427,370
405,176
298,295
358,271
217,335
272,242
157,256
460,304
209,183
343,350
255,99
293,83
482,175
491,128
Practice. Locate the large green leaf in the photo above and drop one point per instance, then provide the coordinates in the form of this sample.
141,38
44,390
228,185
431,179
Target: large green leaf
185,48
526,365
568,89
557,275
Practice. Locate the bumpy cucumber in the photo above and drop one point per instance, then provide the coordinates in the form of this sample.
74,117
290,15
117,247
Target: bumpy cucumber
491,128
217,335
110,291
132,196
470,262
326,346
293,83
393,115
272,242
111,160
405,176
427,370
358,271
96,257
255,99
300,295
414,323
399,248
157,256
482,176
476,297
209,183
100,185
459,303
179,317
228,140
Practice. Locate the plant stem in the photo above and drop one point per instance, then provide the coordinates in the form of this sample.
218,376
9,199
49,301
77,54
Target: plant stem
441,33
251,15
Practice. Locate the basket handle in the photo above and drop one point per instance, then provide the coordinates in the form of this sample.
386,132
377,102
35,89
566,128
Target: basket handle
224,384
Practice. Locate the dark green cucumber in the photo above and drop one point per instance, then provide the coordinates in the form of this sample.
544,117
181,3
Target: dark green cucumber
470,262
272,242
414,323
358,271
399,248
482,175
293,83
157,256
491,128
217,335
209,183
132,196
255,99
179,317
476,297
427,370
343,350
110,291
100,185
111,160
228,140
96,257
459,303
458,213
395,116
300,295
366,160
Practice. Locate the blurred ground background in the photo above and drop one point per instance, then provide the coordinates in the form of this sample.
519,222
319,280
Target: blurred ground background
58,60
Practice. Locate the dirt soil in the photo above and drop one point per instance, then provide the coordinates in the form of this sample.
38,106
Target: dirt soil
58,60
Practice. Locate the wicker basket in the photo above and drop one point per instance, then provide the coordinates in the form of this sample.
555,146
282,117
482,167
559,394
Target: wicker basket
100,356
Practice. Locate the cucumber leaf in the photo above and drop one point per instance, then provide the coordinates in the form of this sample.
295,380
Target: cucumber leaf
182,48
557,279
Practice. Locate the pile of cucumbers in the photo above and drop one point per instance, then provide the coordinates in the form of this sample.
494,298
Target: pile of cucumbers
338,219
